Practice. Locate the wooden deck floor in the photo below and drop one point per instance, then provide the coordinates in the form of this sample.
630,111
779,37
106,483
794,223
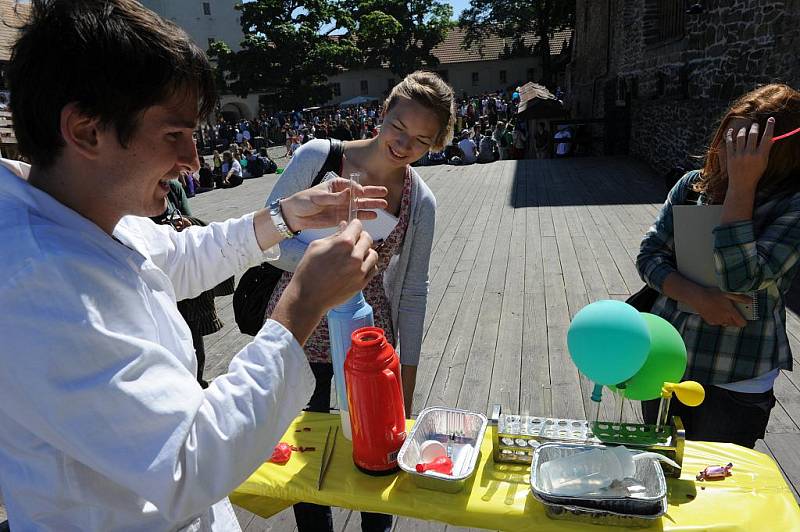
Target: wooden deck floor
520,247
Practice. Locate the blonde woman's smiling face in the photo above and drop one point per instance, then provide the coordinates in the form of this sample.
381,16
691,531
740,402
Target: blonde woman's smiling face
407,133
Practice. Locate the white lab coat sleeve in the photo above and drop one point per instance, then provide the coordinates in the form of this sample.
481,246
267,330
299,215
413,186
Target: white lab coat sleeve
127,408
198,258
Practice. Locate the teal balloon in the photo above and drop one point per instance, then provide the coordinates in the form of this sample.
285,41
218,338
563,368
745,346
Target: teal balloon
666,361
608,341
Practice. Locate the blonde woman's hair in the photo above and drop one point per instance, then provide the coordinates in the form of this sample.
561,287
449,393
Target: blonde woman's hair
429,90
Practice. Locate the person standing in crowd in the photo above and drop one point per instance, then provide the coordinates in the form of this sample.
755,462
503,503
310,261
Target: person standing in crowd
756,254
541,141
199,312
105,425
520,139
563,141
500,139
418,117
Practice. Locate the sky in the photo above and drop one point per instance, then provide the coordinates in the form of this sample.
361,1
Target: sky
459,6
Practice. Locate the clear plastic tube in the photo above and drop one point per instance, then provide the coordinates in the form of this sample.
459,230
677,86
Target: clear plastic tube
355,179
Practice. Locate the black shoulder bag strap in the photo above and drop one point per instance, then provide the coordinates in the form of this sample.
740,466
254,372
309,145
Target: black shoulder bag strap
333,163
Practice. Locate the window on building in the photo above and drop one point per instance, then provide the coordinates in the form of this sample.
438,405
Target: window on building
665,20
364,87
336,88
390,83
475,79
530,74
211,40
503,76
207,8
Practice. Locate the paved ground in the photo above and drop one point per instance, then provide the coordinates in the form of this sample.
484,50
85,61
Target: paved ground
520,247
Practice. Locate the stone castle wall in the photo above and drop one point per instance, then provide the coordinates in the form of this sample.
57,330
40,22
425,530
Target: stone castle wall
674,92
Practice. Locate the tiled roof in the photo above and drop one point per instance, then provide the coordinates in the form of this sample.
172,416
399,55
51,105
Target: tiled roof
451,51
12,15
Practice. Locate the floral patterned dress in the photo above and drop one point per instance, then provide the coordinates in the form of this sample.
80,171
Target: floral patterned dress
317,347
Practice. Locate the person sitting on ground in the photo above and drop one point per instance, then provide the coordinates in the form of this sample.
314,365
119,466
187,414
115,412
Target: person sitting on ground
217,163
452,153
206,177
231,171
254,167
468,148
267,164
486,150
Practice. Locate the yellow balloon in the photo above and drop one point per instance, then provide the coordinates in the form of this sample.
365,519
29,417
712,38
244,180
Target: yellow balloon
690,393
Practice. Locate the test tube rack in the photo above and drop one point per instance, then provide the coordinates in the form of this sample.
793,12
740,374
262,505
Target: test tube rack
515,437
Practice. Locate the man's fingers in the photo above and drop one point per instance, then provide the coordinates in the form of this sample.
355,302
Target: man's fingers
370,266
363,245
738,320
353,230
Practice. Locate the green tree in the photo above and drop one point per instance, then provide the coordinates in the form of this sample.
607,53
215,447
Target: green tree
400,34
513,19
287,51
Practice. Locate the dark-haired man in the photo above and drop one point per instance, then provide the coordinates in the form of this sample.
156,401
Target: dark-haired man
104,425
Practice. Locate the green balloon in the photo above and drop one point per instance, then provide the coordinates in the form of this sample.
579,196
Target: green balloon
666,361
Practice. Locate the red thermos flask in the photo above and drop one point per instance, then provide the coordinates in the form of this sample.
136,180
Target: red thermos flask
375,395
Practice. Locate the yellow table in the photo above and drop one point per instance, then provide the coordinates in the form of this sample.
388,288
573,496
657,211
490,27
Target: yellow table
754,498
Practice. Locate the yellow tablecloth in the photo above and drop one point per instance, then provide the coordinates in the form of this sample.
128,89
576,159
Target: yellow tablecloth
755,498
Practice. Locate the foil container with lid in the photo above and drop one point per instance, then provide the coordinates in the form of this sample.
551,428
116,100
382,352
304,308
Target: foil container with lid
441,424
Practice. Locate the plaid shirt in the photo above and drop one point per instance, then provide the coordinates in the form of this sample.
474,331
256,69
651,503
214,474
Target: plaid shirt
750,256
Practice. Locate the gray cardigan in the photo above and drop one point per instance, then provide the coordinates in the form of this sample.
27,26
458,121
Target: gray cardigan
405,280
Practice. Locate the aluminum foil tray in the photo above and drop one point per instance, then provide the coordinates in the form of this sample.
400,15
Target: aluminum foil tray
610,509
440,424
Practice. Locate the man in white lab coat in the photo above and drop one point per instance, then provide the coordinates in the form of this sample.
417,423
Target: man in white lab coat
104,426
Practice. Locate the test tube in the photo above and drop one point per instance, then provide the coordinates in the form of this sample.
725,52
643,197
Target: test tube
355,179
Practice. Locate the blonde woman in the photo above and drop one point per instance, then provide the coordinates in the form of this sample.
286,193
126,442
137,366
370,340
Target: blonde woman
419,116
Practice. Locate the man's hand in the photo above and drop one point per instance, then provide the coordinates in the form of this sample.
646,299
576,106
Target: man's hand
717,307
331,271
328,203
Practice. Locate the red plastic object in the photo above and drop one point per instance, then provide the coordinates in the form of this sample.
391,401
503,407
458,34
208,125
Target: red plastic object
440,464
375,396
281,453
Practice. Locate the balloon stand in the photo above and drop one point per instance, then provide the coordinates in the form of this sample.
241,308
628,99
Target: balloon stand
515,437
